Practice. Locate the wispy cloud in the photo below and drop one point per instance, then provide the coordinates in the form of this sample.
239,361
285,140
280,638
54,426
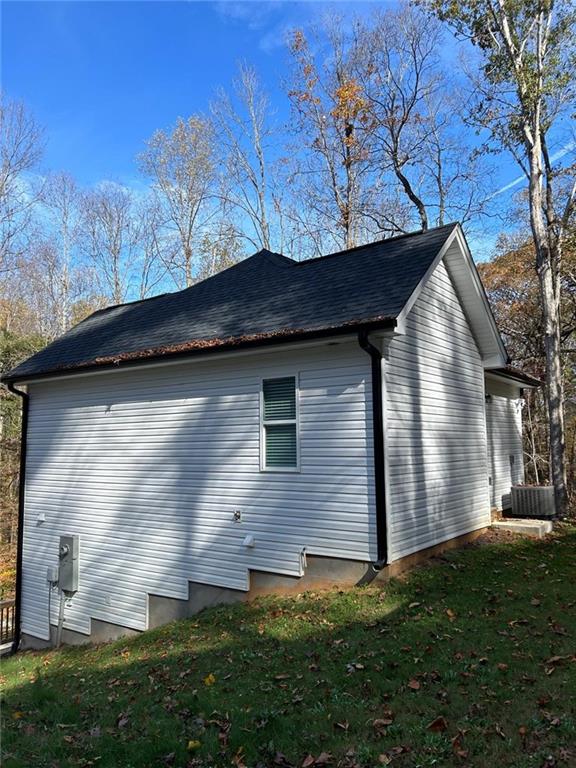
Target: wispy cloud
275,20
252,13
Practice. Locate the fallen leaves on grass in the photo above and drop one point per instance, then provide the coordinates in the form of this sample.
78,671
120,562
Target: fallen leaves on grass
467,687
386,757
324,758
438,725
223,724
523,733
457,747
557,629
554,661
499,732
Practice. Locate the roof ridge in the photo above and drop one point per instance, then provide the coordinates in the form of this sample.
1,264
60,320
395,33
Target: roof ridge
276,255
345,251
266,252
262,252
131,303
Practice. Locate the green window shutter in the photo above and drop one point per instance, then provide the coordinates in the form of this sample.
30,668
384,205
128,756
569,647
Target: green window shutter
279,423
281,445
279,399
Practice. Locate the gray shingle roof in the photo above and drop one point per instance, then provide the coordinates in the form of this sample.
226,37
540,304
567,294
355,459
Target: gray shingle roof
264,297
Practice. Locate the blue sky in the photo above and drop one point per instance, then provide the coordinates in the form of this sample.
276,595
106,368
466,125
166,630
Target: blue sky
102,76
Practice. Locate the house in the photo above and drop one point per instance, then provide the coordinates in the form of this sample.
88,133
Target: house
279,425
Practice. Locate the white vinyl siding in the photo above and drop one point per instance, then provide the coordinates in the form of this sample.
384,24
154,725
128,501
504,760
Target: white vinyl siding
437,484
505,457
149,466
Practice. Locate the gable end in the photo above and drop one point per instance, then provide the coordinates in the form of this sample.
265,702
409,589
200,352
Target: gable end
465,278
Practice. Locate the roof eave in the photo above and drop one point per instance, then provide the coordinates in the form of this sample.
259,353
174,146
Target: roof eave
526,380
148,357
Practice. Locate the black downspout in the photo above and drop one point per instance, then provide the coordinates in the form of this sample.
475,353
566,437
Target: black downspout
21,481
378,428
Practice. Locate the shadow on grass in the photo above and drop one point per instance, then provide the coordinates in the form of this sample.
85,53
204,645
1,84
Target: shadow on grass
358,674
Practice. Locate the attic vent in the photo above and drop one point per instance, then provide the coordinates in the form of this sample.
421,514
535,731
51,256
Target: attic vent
536,501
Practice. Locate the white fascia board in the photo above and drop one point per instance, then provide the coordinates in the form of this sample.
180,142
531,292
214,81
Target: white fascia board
495,361
481,293
509,378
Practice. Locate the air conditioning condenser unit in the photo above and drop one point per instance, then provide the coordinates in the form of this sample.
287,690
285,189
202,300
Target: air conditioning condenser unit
533,501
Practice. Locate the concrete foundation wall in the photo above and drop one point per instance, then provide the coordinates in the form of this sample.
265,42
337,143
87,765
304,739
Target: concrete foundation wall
162,610
321,573
102,632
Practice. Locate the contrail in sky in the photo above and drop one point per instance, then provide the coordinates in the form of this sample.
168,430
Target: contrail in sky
556,156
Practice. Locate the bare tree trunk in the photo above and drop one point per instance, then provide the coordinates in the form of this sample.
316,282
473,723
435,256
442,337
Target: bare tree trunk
412,196
118,288
554,385
189,279
548,260
256,120
532,439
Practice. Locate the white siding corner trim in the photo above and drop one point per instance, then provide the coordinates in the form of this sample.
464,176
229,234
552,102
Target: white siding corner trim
437,476
149,466
505,452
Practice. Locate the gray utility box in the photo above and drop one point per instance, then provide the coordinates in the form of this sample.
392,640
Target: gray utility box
68,554
533,501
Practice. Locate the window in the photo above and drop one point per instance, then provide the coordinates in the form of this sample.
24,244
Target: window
279,424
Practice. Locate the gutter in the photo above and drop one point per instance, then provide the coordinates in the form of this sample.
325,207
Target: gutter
20,539
515,375
378,427
189,351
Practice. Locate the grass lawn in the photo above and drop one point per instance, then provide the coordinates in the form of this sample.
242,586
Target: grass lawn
470,661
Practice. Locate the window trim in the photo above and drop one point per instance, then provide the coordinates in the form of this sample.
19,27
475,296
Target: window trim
263,423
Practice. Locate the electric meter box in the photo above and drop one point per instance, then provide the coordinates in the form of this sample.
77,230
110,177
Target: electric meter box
68,554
